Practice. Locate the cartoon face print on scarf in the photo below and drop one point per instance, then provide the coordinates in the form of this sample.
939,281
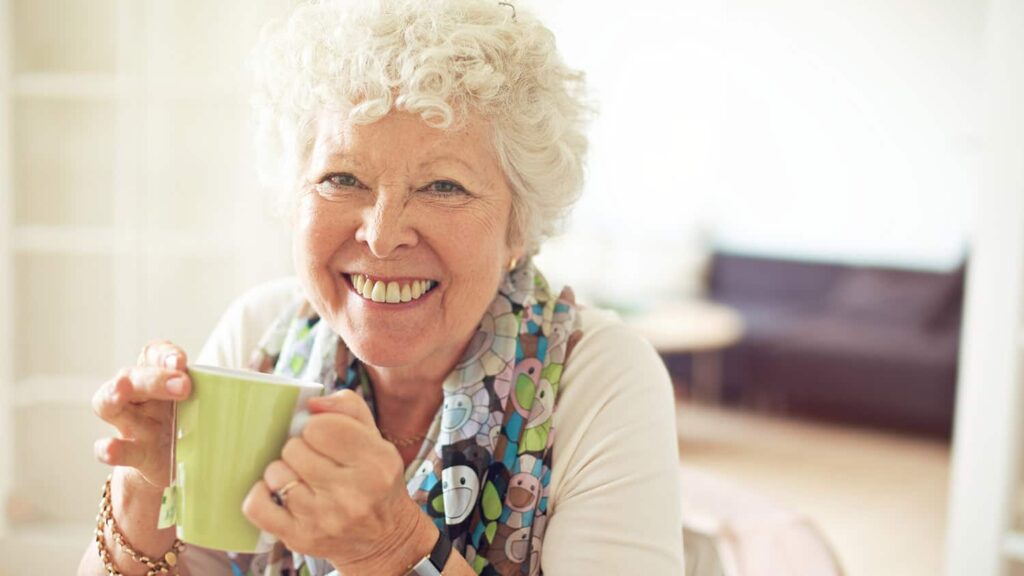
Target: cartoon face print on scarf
526,493
520,545
466,413
492,346
453,499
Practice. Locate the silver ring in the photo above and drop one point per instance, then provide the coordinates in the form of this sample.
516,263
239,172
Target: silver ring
279,495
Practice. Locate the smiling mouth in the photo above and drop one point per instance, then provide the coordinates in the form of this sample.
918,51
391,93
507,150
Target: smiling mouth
392,292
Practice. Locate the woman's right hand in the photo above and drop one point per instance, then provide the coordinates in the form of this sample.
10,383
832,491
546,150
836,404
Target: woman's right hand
139,402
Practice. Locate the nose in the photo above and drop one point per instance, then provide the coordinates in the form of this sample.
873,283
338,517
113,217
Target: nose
384,227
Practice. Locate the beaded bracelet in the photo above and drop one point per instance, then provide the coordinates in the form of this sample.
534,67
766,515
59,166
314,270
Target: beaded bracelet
106,518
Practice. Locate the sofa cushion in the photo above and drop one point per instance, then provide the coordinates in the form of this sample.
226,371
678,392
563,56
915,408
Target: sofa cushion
787,285
865,342
879,296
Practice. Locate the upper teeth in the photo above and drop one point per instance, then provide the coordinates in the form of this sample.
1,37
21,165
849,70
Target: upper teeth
390,292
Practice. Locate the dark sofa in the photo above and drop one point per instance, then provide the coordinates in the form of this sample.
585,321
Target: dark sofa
872,346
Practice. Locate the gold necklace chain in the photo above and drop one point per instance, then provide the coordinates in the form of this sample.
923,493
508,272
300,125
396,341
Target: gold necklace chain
402,442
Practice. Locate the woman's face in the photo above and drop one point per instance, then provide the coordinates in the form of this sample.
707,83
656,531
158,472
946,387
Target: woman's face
397,208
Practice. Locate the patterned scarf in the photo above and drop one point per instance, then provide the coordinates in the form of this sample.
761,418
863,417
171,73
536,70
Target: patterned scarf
482,473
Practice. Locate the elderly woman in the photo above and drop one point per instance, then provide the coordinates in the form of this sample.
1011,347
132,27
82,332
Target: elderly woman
476,421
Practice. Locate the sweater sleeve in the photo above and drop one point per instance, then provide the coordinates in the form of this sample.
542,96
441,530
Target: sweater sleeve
616,505
240,328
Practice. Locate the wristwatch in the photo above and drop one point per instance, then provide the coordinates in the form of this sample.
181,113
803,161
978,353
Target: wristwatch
433,564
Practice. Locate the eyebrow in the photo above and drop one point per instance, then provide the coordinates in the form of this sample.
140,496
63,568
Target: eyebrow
454,160
354,160
341,156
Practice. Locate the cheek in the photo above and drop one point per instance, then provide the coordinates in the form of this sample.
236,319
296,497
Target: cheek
315,220
473,256
482,240
315,237
303,232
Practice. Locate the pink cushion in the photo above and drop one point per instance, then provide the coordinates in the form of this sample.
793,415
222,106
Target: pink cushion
751,535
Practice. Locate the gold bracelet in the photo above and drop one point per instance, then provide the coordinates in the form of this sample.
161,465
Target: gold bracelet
106,518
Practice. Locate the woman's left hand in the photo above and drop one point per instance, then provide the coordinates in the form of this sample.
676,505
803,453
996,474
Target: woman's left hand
350,503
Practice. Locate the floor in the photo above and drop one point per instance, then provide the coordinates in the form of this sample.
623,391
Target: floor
879,498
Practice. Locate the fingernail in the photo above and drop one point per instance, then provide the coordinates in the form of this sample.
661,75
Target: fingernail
171,362
321,401
102,450
176,385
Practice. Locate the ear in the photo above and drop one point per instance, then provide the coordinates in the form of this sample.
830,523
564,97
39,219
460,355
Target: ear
515,241
516,254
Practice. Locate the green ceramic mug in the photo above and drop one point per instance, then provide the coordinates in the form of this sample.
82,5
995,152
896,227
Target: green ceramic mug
230,428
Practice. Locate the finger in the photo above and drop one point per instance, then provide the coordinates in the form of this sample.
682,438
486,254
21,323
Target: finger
164,354
149,383
265,515
344,402
133,424
123,452
109,399
314,468
339,437
111,403
278,475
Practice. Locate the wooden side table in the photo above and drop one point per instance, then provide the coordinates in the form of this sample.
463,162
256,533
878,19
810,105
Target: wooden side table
701,328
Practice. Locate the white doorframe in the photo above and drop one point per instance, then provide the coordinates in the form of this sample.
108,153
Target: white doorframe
985,473
6,269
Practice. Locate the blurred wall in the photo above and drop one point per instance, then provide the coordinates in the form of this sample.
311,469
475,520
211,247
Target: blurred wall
133,214
843,130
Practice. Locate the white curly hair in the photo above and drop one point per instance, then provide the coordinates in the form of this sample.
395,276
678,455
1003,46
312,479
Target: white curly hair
440,59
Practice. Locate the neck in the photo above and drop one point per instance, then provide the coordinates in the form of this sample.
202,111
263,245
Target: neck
404,397
408,397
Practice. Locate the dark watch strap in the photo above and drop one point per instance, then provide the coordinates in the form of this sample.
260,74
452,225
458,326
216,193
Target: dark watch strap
433,564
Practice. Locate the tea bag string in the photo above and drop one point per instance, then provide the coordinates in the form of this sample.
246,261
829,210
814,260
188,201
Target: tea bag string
174,444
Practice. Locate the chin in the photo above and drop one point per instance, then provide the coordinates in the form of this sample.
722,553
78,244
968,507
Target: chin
378,358
383,352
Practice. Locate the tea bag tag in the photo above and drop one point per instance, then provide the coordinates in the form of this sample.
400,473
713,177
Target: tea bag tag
168,508
169,502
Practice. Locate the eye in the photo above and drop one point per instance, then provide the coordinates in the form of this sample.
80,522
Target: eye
444,188
337,183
